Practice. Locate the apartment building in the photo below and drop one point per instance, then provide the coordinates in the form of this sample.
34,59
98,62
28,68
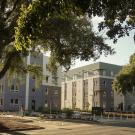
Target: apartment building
16,94
89,86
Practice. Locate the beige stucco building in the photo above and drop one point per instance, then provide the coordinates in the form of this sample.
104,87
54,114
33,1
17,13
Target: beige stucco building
89,86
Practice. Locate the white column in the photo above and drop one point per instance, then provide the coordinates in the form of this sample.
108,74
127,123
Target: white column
27,86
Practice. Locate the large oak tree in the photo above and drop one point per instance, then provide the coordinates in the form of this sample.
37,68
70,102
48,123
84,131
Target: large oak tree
54,25
60,26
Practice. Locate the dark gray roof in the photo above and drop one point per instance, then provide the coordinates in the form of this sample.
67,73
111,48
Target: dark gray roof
95,66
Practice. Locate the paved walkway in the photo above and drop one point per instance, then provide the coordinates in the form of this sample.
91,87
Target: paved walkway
126,127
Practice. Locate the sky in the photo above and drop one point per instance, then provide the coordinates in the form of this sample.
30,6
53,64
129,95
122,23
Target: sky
124,48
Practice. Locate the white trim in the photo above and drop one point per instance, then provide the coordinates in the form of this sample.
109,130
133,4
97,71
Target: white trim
27,86
101,76
95,76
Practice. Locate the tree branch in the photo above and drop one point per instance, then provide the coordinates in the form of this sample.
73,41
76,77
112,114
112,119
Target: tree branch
8,62
3,5
13,9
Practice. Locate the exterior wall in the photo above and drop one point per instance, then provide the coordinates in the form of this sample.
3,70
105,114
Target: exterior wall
9,95
79,94
63,95
68,101
90,92
51,98
28,96
107,95
53,80
66,95
93,86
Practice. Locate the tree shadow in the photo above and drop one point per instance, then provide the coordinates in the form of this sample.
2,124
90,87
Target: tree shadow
15,133
116,123
128,124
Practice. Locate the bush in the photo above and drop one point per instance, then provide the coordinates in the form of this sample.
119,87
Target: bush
68,112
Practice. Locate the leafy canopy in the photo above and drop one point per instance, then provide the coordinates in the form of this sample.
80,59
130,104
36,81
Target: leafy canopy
30,22
125,80
57,27
119,16
10,59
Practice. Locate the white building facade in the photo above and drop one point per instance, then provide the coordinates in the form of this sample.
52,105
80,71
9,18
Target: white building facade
89,86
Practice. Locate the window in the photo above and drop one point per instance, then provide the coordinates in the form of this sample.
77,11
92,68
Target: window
14,87
104,83
56,92
1,101
46,91
33,77
104,104
74,77
74,104
47,79
104,73
90,73
17,88
1,88
112,74
33,103
47,68
95,104
95,93
96,72
55,80
14,101
85,74
46,103
33,90
11,101
112,93
95,82
104,93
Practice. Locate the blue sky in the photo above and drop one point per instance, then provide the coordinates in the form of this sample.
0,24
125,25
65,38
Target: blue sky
124,48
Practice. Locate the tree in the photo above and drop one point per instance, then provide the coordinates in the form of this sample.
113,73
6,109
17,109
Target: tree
58,28
66,35
125,80
119,15
8,16
119,20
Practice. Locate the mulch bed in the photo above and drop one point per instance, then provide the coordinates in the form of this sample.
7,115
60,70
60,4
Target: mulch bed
16,124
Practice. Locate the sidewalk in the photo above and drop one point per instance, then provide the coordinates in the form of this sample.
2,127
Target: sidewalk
103,120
